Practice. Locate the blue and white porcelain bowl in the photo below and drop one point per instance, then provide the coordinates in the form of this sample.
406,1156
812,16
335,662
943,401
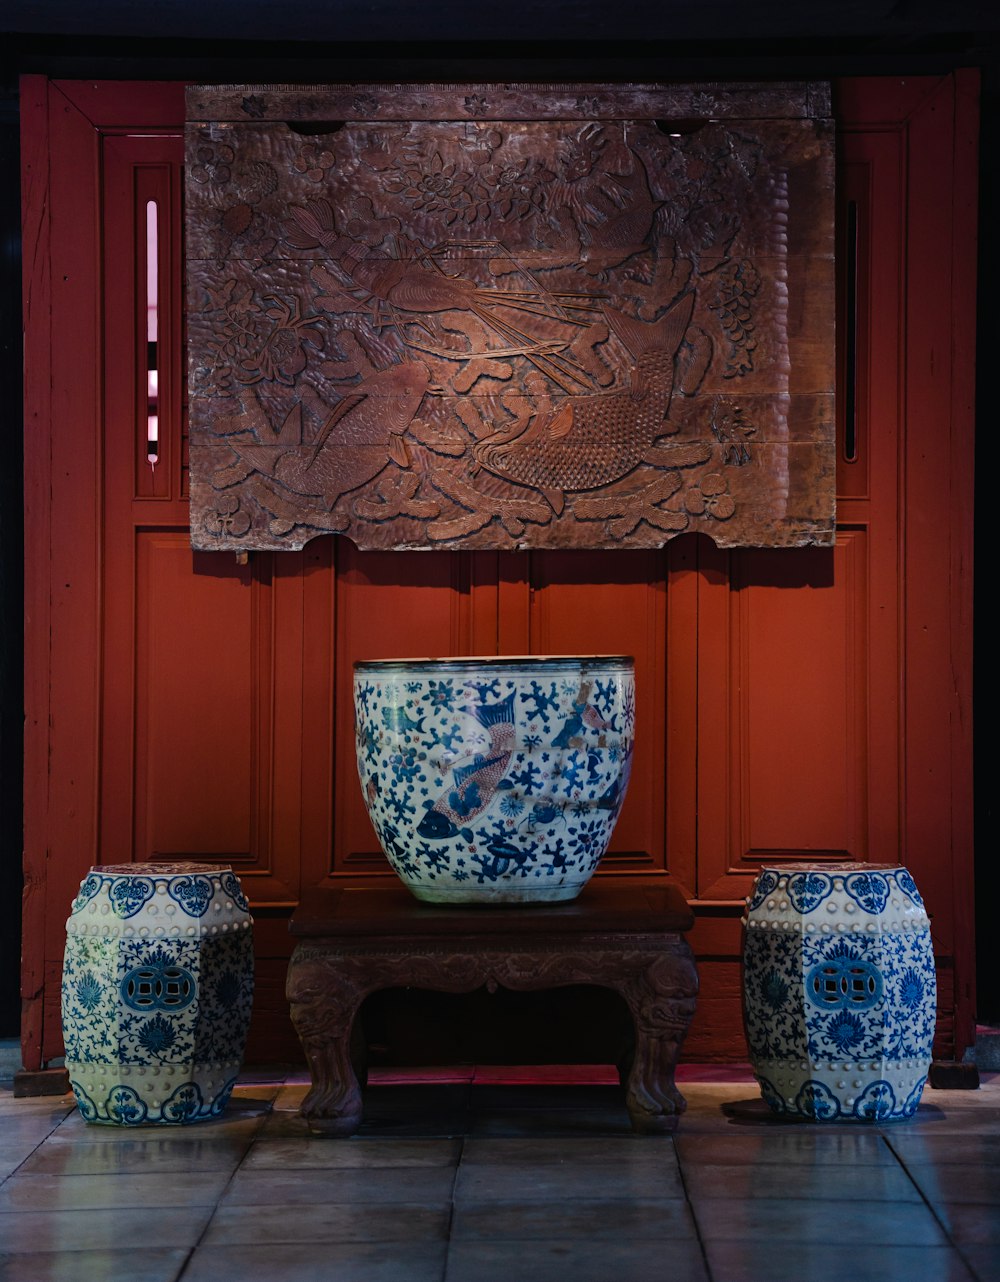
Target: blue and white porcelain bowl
157,992
495,780
839,991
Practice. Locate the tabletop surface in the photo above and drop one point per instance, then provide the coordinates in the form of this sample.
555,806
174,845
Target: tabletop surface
634,907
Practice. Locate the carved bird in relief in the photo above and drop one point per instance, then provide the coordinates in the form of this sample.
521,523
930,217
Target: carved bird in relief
414,284
606,189
594,440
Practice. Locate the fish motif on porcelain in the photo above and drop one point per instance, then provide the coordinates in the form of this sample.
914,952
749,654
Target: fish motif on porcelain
495,781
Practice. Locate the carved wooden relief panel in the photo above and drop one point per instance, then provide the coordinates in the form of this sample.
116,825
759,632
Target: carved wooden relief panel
510,316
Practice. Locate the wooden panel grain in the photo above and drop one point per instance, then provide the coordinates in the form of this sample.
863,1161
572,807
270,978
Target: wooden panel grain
680,659
387,607
869,489
37,303
803,674
62,534
201,724
937,825
613,603
166,791
795,763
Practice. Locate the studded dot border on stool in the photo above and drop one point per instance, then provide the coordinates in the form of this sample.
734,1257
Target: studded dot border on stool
839,991
157,992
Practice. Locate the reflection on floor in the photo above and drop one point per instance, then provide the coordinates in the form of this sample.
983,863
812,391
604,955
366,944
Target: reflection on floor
465,1177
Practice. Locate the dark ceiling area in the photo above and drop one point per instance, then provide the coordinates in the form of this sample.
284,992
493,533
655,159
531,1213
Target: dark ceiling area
521,39
873,23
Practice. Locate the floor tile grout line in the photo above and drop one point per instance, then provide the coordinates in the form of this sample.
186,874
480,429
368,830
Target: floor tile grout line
268,1112
690,1204
446,1263
43,1141
955,1246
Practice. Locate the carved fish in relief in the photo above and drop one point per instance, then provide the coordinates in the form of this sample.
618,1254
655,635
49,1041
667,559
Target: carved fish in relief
473,783
362,433
594,440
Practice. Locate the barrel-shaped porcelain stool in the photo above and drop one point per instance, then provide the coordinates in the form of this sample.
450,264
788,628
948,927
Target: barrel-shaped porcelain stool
839,991
157,991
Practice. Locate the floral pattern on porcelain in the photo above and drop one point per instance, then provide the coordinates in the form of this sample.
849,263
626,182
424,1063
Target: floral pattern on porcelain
496,780
839,991
157,992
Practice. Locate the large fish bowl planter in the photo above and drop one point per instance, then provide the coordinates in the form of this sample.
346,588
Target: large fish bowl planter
839,991
157,991
495,780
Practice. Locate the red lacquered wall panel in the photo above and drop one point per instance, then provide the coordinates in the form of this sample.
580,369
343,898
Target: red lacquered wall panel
793,704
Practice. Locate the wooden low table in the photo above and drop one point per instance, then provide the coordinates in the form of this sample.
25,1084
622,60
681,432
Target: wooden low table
354,941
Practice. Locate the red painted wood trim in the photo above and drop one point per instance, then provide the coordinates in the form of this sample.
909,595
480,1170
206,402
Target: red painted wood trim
965,194
37,293
152,104
680,660
936,523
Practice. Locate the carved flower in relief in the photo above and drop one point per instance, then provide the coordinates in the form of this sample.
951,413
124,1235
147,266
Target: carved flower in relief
710,498
237,218
374,149
365,104
435,186
479,142
512,190
212,163
282,356
227,518
314,162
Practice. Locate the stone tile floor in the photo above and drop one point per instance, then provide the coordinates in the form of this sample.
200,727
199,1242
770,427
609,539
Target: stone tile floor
472,1179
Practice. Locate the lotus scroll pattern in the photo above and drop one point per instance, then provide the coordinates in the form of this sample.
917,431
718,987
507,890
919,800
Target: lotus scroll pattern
157,992
839,991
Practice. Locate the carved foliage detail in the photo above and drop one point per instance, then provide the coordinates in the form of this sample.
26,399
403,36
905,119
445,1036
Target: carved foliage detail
327,984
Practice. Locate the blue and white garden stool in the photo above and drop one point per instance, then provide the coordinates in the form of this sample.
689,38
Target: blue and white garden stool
839,991
157,992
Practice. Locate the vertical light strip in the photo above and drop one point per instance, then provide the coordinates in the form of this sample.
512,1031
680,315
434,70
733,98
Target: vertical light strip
152,331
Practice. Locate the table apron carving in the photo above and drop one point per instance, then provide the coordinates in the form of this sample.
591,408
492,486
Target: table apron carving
654,973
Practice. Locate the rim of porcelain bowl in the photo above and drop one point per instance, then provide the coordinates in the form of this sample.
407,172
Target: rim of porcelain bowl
497,661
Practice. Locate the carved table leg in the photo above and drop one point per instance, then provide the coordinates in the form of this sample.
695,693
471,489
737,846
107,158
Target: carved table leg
324,1003
662,1001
